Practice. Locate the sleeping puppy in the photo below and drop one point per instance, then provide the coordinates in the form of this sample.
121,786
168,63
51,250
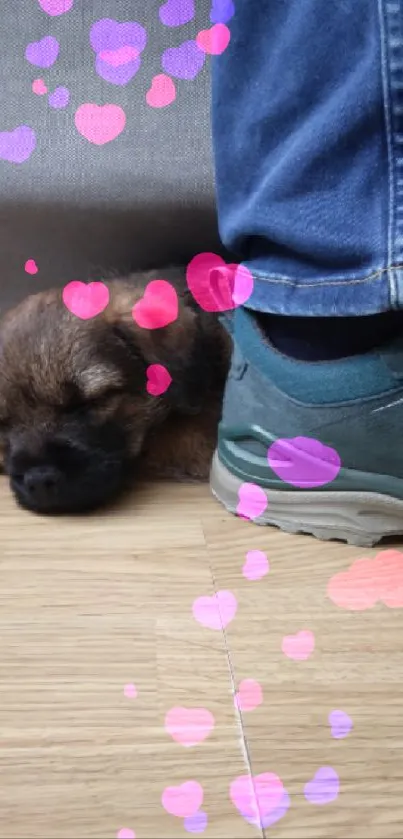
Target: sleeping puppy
76,420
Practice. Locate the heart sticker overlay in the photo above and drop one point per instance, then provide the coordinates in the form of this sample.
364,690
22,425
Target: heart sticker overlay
118,47
249,695
158,307
303,462
85,300
125,833
256,565
215,612
256,798
252,501
183,62
217,286
177,12
183,801
196,823
130,691
99,124
274,816
162,92
368,582
54,8
189,726
299,647
17,146
39,87
324,786
222,11
340,724
214,41
59,98
158,379
43,53
31,266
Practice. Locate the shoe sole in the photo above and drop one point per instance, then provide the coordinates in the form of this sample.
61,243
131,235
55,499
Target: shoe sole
358,518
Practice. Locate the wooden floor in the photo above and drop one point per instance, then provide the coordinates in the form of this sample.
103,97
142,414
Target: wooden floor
113,693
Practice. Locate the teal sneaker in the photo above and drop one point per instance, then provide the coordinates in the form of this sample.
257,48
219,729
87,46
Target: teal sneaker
312,447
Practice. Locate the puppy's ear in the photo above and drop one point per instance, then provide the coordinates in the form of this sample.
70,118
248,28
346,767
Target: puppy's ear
180,347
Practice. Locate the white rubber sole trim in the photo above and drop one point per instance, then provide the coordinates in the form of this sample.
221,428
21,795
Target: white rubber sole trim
359,518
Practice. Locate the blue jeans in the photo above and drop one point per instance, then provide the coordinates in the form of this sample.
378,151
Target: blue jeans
307,115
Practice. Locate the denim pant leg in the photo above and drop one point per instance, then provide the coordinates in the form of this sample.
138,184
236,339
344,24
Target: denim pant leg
307,115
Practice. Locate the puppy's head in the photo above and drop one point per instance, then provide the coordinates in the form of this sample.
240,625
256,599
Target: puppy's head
74,407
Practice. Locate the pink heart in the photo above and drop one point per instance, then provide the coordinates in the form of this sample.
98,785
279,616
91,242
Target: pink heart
256,565
158,379
118,57
215,40
300,646
130,691
56,7
39,87
249,696
252,501
217,286
86,300
215,612
189,726
31,266
183,801
100,124
256,797
126,833
162,92
158,307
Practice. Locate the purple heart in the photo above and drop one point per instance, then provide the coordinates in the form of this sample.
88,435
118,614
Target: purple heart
59,98
177,12
107,35
43,53
222,11
17,146
340,723
183,62
272,817
56,7
324,787
196,823
120,75
303,462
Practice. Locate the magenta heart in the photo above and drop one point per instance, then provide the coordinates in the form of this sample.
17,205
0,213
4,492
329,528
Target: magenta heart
158,307
303,462
17,146
85,300
43,53
158,379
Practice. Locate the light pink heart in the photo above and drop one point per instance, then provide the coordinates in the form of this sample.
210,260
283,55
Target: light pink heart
126,833
256,565
118,57
39,87
189,726
215,40
162,92
252,501
256,797
31,266
300,646
130,691
100,124
85,300
215,612
158,307
249,695
54,8
158,379
183,801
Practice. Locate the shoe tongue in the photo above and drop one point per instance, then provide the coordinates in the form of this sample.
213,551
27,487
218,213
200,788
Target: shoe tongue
392,356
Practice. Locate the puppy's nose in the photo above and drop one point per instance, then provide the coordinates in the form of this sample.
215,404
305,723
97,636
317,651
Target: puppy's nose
41,483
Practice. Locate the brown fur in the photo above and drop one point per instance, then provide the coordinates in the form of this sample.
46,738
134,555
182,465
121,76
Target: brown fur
48,355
